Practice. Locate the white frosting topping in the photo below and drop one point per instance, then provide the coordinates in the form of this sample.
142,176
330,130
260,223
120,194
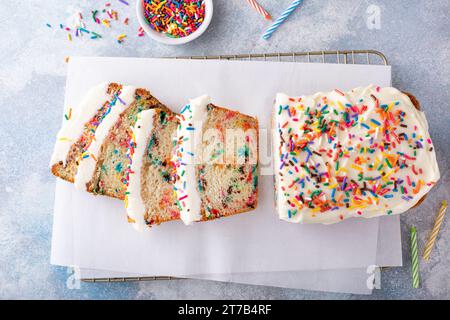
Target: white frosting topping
72,129
187,155
134,203
338,155
89,159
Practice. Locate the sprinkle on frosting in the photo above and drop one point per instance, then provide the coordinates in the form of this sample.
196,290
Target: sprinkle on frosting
364,153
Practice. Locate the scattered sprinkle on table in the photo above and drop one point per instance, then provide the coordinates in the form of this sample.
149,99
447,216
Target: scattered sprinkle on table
104,18
174,18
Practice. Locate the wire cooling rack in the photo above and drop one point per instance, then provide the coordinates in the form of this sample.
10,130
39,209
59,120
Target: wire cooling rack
370,57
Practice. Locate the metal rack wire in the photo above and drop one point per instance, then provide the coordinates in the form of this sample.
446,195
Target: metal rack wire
128,279
371,57
368,57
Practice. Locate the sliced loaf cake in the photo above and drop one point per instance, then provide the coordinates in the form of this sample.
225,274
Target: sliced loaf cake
150,198
79,128
104,163
216,162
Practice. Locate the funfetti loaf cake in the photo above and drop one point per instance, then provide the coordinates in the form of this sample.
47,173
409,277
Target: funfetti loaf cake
150,198
362,153
78,129
197,166
216,162
103,163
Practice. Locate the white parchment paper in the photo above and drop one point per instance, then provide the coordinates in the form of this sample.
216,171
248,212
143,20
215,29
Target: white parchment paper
354,280
252,242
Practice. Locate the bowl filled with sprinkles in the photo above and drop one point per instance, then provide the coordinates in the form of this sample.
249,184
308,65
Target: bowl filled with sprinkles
174,21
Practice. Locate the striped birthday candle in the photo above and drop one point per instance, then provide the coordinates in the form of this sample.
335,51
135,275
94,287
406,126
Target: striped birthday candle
255,5
435,231
414,259
294,5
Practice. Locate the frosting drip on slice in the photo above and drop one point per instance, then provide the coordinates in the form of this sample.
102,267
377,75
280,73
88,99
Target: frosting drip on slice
72,129
134,203
90,156
366,152
187,155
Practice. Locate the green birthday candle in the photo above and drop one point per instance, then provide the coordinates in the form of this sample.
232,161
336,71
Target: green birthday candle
414,259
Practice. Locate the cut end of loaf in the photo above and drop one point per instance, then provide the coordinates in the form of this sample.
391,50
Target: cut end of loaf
228,179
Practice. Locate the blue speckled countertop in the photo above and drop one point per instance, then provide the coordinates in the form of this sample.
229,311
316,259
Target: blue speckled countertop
415,38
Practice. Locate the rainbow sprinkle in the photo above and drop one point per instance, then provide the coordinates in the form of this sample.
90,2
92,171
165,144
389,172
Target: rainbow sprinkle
121,38
174,18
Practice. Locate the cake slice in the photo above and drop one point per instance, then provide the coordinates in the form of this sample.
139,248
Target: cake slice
216,162
150,198
103,166
78,129
362,153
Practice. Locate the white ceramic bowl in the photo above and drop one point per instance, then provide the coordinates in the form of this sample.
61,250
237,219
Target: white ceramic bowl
160,37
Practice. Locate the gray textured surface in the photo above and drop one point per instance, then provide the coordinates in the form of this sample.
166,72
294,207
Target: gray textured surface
414,36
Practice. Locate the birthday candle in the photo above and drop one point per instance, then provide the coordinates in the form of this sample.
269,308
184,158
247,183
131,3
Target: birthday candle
259,9
434,232
294,5
414,259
